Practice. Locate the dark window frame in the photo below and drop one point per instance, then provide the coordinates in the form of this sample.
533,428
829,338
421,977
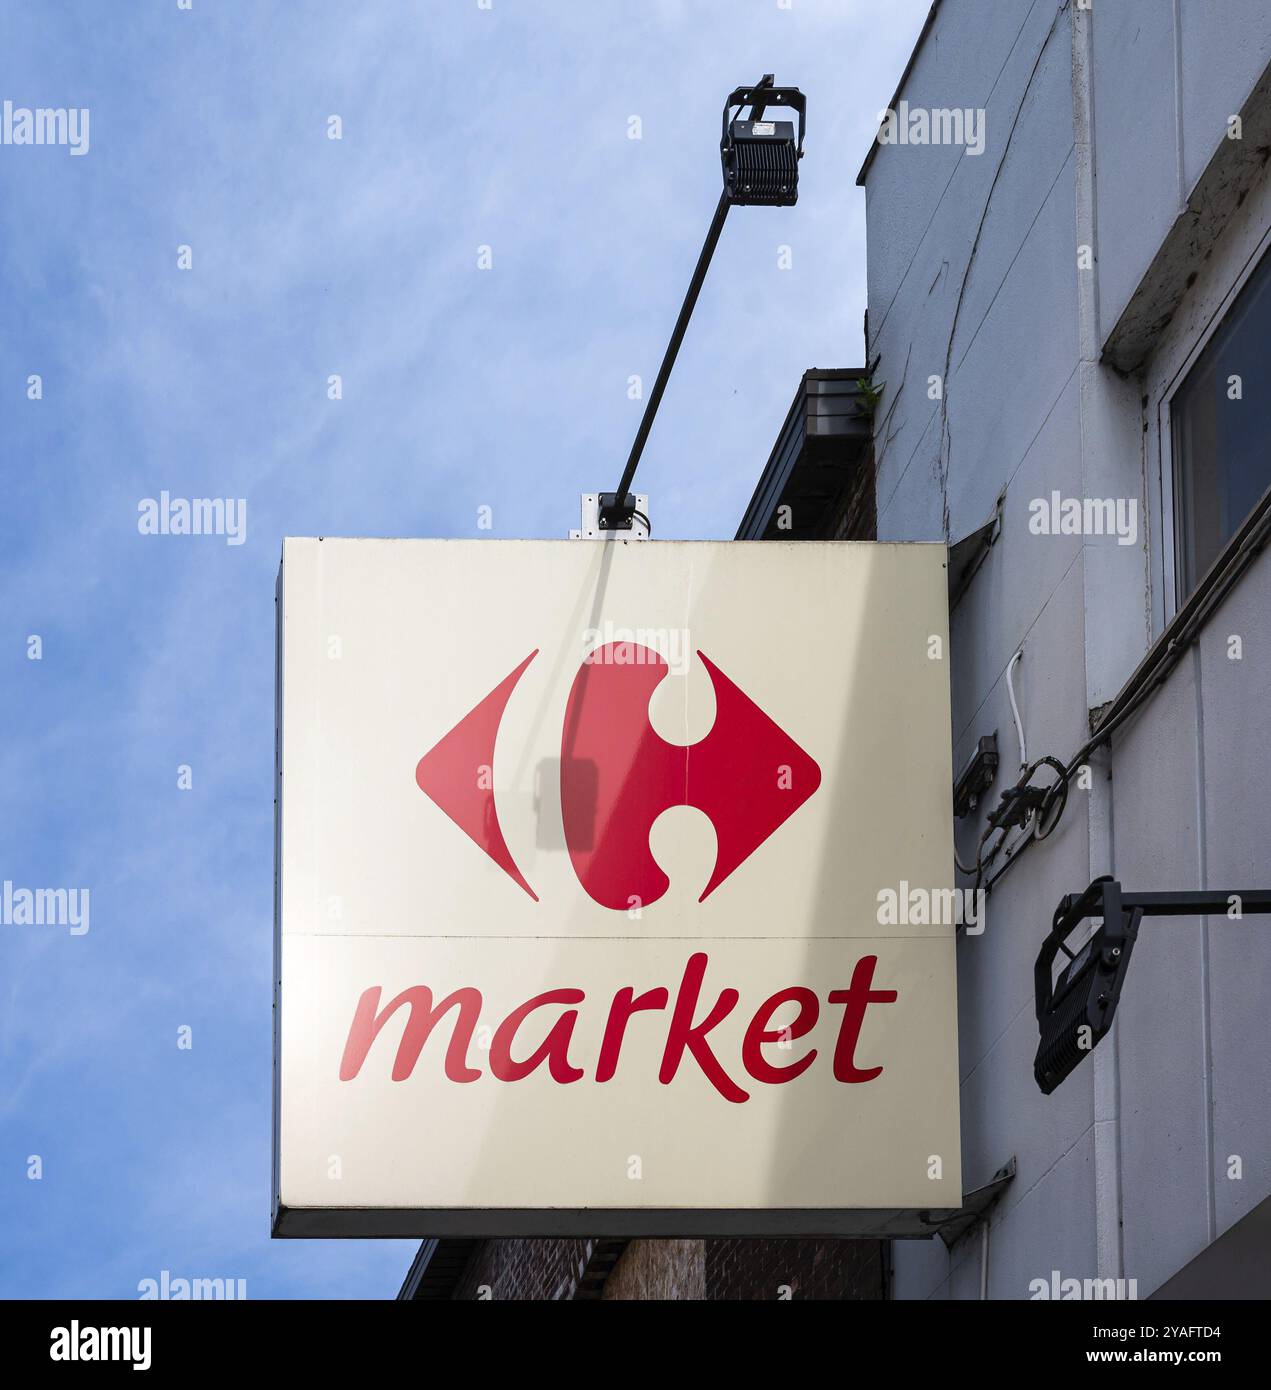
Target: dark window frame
1200,533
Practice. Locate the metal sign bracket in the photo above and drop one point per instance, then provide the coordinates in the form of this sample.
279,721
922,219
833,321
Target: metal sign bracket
590,529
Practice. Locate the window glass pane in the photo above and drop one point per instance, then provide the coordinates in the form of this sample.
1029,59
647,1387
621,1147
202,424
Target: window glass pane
1222,447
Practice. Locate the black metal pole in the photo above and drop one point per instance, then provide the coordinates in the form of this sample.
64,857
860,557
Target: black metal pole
1187,903
1198,904
617,513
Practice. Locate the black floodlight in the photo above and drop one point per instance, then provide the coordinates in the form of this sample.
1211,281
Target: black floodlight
761,165
761,157
1077,1002
1075,1007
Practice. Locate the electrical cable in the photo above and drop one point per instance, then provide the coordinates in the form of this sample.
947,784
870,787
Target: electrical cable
1153,672
1058,790
957,859
1019,723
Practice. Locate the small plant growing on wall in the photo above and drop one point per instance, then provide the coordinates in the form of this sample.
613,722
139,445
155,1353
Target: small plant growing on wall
871,394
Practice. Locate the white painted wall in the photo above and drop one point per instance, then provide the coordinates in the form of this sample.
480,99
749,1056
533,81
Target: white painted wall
1099,124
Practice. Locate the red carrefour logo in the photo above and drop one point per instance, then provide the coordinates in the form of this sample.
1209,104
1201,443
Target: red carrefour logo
458,774
617,775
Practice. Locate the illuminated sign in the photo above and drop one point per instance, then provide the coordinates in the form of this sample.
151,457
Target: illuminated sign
581,851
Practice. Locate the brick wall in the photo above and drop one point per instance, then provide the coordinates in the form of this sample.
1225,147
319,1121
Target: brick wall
819,1269
524,1269
855,515
652,1270
677,1270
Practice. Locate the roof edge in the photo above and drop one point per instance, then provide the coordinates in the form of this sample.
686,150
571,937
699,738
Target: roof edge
900,87
777,469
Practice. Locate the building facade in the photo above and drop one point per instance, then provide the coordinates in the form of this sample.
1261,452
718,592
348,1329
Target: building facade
1073,326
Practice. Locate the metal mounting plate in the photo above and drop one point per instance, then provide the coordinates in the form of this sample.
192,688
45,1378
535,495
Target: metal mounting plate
591,530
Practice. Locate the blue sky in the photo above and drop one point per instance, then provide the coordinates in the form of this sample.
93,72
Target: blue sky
462,127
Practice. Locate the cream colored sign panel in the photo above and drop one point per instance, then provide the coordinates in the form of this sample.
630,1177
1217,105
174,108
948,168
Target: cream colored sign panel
589,862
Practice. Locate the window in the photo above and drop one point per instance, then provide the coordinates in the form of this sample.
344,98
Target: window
1220,423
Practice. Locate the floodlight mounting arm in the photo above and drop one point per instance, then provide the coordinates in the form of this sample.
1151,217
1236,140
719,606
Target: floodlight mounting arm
618,508
1122,913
